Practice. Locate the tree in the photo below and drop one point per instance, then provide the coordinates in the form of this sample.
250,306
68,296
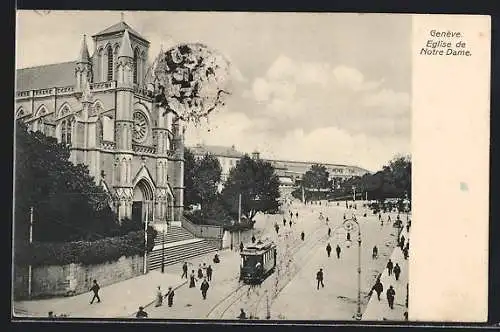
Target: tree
316,178
207,177
67,203
190,193
258,185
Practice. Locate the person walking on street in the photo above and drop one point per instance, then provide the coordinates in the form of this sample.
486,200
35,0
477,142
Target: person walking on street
159,297
242,314
241,246
290,223
389,267
141,313
184,270
328,249
402,242
204,288
327,220
338,250
405,252
397,271
296,214
95,288
209,273
302,235
216,259
319,278
390,297
284,222
329,231
170,296
277,228
375,252
253,238
200,272
291,214
191,280
378,288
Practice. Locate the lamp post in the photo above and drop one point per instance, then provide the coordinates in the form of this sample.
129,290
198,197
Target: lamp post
163,246
30,269
348,225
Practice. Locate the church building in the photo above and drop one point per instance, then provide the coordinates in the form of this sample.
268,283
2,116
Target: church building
99,107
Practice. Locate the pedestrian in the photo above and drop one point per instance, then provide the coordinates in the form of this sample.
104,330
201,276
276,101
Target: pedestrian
192,280
402,241
184,270
170,296
378,288
200,272
253,238
407,227
344,216
290,223
95,288
328,249
159,297
296,214
277,228
338,250
291,214
348,236
380,217
397,271
216,256
242,314
204,267
302,235
284,222
319,278
388,219
390,297
389,267
241,246
329,231
405,252
327,220
375,252
209,273
141,313
204,288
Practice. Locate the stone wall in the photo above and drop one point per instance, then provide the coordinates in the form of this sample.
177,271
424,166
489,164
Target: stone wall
73,279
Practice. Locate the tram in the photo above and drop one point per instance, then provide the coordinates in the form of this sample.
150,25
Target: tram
258,261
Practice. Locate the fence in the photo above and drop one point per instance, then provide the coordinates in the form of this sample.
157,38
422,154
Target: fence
203,231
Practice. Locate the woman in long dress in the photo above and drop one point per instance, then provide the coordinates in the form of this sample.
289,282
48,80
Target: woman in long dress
159,298
191,280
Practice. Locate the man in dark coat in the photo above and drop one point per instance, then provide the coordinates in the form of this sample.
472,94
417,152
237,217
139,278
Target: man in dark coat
296,214
200,272
389,267
277,228
209,273
141,313
329,231
241,246
253,238
378,288
328,249
170,296
397,271
184,270
204,288
319,278
390,297
338,250
95,288
375,252
284,222
302,235
290,223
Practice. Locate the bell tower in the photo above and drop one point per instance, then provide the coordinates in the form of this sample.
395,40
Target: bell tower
124,129
83,70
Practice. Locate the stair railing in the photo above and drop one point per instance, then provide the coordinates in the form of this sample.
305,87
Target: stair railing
202,231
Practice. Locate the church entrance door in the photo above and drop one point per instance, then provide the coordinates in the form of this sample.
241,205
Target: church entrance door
137,212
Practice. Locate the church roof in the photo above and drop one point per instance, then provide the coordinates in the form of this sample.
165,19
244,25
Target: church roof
120,27
217,150
46,76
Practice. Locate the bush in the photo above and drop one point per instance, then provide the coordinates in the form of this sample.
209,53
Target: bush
84,252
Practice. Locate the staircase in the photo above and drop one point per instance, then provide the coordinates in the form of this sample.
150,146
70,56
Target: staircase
180,245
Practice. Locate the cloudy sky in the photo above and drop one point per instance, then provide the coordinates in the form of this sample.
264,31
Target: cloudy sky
323,87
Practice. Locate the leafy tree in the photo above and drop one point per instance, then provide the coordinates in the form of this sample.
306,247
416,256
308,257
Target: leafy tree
258,185
316,178
190,193
67,203
208,176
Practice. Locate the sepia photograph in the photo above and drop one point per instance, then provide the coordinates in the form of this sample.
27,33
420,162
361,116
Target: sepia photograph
213,165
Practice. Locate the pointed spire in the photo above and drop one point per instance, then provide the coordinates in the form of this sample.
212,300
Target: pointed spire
125,47
83,56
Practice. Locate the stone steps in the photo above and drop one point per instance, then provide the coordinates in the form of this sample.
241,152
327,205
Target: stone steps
176,254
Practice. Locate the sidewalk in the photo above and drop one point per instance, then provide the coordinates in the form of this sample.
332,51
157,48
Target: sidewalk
379,310
118,300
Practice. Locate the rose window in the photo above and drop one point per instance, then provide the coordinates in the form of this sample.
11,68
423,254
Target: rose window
140,127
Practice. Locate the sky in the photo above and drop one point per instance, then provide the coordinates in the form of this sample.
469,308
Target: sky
324,87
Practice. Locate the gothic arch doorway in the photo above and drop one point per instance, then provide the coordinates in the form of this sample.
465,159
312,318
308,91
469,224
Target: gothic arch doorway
142,204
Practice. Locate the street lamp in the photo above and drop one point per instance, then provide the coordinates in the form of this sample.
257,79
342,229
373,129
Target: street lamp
163,246
348,225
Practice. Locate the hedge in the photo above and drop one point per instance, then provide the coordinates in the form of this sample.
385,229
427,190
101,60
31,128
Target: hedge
83,252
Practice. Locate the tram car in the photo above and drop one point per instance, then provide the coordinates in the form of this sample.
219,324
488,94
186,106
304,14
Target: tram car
258,261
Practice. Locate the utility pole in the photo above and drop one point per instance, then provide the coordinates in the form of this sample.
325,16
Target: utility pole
163,247
30,268
239,217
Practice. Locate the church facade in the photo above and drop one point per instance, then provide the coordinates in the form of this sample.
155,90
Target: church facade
99,107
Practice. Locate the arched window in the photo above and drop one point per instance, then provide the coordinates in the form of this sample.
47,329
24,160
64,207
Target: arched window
20,113
136,62
109,53
66,132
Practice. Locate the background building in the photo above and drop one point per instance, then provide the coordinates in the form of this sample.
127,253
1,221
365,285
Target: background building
98,106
